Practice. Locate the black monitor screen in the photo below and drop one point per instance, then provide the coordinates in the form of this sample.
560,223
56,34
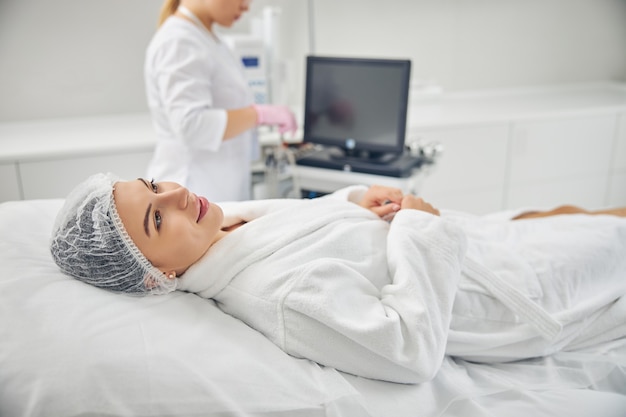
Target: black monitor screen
357,104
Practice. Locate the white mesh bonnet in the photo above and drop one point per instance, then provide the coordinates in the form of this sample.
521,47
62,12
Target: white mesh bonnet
90,243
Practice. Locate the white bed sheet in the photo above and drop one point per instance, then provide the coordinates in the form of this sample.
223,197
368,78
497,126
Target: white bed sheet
67,349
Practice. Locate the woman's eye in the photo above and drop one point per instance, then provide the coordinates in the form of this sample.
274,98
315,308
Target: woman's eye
157,219
154,186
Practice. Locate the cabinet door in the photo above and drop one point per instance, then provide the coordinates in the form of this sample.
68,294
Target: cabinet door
470,174
617,180
561,161
56,178
9,183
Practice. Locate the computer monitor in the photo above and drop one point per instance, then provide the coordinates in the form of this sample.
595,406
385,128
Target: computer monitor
358,106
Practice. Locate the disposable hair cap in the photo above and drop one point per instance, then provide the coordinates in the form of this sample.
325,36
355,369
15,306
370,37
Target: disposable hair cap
90,243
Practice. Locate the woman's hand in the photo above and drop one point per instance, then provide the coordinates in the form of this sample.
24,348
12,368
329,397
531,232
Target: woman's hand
387,201
418,203
383,201
280,116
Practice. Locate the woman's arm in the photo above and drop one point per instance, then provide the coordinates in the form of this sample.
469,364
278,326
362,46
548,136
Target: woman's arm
240,120
179,76
395,333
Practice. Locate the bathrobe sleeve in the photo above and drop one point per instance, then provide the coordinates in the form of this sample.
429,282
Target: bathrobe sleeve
352,193
395,333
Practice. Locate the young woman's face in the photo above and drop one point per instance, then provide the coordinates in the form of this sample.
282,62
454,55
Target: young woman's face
170,225
226,12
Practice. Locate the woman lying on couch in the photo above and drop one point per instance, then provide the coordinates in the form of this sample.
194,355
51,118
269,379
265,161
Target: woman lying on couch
366,280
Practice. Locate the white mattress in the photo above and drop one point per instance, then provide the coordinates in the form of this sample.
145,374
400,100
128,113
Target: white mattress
68,349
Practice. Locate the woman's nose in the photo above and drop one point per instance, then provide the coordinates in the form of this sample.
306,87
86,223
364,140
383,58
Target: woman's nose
178,197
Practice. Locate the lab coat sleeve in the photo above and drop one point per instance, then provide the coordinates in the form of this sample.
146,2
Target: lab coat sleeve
397,333
184,84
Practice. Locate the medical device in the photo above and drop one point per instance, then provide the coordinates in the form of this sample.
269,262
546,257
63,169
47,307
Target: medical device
250,50
356,108
260,53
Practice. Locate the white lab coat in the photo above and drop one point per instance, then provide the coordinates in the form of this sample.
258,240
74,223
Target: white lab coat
192,78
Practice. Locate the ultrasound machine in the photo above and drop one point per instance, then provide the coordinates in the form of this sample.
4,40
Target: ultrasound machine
355,113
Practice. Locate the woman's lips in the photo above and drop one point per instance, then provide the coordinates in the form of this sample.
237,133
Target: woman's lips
204,207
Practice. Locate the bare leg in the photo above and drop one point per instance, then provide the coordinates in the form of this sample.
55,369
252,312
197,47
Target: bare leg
620,211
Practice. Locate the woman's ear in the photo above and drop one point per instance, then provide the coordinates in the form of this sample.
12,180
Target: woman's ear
150,282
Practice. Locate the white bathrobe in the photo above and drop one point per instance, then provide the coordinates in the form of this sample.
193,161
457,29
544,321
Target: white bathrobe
329,281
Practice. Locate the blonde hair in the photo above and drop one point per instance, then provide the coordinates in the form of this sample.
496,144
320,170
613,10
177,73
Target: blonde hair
169,8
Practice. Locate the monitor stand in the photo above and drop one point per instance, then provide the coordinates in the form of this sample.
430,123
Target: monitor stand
400,165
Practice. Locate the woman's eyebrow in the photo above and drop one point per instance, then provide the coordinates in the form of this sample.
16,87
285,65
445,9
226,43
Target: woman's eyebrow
146,219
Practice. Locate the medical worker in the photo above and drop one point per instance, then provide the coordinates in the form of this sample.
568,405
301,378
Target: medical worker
200,102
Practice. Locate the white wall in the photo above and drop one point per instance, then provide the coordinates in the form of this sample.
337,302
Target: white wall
67,58
72,58
479,44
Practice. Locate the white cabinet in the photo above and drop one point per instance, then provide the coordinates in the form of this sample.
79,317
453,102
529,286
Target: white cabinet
47,158
55,178
9,184
537,163
470,174
617,190
617,174
560,161
536,147
587,192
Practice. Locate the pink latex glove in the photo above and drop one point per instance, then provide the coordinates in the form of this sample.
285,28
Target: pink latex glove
281,116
